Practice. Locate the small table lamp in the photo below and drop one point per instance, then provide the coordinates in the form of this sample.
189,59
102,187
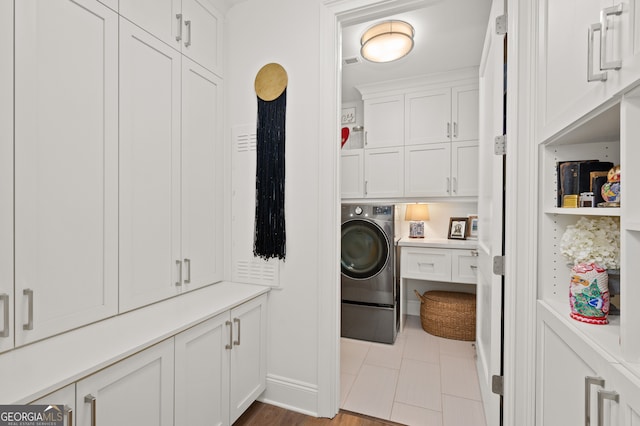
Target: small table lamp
416,214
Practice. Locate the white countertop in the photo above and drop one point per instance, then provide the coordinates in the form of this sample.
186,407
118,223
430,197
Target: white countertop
32,371
437,243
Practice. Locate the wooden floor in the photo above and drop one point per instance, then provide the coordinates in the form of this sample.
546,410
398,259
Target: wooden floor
260,414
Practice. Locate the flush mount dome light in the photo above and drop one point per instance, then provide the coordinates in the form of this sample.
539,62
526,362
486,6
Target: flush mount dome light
387,41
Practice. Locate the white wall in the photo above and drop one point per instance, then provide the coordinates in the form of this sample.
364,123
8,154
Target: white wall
286,31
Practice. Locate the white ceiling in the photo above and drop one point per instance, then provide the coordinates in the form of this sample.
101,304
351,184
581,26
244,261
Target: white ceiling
449,34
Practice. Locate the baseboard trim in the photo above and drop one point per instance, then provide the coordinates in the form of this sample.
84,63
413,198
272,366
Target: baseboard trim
291,394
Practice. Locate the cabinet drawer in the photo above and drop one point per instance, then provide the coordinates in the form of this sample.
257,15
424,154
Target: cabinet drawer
426,264
464,266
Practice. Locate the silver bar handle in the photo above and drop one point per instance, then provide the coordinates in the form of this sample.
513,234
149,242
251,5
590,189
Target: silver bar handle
448,185
179,265
602,395
448,129
365,138
590,75
237,321
230,345
455,185
187,264
604,13
588,381
179,18
5,308
455,129
473,266
90,399
188,25
474,253
365,187
29,293
69,413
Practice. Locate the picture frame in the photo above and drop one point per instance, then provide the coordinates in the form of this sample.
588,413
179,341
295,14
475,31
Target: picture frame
472,226
457,228
348,115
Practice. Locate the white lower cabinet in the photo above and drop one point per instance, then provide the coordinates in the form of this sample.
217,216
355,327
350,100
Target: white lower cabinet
137,391
578,384
221,366
64,399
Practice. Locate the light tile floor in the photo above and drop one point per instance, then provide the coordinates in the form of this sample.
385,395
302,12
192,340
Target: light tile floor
421,380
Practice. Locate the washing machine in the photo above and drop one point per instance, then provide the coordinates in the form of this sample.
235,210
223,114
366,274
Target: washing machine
370,295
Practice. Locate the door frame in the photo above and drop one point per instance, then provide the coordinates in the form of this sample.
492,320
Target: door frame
519,313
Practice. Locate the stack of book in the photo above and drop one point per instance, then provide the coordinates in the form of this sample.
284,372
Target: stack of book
577,177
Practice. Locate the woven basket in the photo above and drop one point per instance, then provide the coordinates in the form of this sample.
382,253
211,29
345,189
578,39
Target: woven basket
448,314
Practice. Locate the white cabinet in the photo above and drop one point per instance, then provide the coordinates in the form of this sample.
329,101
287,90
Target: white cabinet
464,266
221,366
170,172
441,169
352,173
383,172
202,374
384,121
439,264
66,166
65,399
150,78
564,90
137,391
248,355
6,175
202,176
441,115
193,27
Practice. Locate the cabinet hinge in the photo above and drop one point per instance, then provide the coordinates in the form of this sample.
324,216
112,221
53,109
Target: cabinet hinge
500,145
497,385
498,265
501,24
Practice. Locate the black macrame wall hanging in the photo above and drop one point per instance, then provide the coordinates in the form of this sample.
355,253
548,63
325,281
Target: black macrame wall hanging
269,232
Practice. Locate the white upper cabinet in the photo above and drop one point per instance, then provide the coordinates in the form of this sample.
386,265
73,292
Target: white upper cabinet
384,121
150,258
352,173
428,116
66,166
577,73
6,175
465,113
464,169
383,172
202,176
442,115
193,27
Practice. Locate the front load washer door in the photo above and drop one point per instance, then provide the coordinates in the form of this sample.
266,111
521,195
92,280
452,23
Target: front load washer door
365,249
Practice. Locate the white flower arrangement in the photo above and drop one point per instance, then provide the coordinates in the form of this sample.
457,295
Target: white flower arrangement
593,241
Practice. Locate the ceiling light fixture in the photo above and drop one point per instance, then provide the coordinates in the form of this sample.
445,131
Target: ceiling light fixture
387,41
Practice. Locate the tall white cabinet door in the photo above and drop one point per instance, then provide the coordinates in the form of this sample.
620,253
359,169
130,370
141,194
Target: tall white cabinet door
384,121
383,175
66,194
564,92
137,391
202,176
65,398
464,169
464,113
162,18
202,374
427,170
428,116
352,173
6,175
202,33
149,168
248,355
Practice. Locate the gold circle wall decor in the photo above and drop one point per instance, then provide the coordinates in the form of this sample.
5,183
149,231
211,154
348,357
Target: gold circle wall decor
271,81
